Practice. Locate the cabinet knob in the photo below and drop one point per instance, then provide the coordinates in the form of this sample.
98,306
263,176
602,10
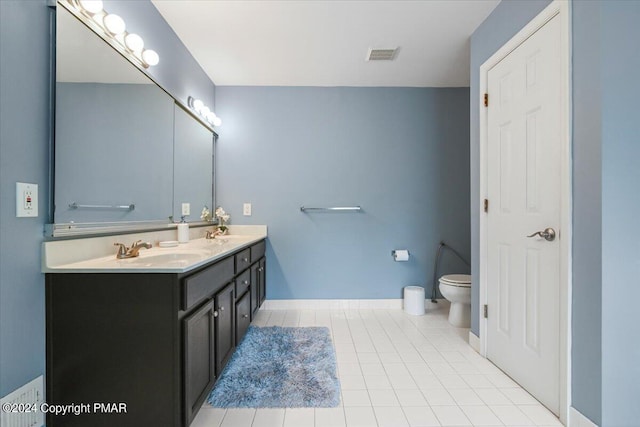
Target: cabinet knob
221,309
245,259
244,316
215,314
261,269
245,282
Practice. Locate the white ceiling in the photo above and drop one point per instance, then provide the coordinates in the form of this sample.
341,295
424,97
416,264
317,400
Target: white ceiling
324,43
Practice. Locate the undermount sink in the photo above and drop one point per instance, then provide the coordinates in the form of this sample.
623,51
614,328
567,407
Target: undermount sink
169,259
226,238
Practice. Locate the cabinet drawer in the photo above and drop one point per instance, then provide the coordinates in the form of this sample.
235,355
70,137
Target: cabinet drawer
257,251
201,285
242,283
243,260
243,317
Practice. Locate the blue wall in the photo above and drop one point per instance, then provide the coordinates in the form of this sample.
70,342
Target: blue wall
24,84
620,92
586,334
400,153
24,116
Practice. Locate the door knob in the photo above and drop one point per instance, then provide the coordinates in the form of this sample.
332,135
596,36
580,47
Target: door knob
549,234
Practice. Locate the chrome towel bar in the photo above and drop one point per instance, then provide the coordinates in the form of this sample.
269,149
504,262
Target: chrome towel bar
334,208
130,207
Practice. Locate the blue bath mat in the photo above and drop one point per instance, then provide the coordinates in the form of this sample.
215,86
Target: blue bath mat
276,367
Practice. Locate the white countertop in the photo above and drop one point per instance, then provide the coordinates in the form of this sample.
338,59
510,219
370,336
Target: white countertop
91,256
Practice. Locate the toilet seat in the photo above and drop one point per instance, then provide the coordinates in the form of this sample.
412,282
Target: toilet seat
459,280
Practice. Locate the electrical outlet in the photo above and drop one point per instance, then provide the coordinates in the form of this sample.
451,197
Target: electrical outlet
246,209
186,209
26,200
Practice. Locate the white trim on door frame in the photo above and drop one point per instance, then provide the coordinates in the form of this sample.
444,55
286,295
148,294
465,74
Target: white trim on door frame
559,8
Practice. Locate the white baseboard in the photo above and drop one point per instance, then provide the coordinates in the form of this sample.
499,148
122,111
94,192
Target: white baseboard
576,419
474,341
339,304
331,304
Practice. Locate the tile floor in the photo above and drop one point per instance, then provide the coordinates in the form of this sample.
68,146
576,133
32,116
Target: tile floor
397,370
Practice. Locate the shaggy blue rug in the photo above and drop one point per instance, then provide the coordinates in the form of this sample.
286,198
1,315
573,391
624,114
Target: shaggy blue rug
276,367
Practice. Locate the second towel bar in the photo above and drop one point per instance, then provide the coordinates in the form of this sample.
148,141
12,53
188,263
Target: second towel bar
334,208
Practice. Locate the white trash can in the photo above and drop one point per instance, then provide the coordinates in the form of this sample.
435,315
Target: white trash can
414,300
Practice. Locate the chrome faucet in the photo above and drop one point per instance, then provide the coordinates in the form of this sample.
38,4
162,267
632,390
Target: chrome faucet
212,234
133,251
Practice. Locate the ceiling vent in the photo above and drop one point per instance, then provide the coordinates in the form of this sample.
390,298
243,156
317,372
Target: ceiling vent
376,54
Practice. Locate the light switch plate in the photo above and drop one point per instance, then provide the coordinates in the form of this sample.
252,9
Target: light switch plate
186,209
26,200
246,209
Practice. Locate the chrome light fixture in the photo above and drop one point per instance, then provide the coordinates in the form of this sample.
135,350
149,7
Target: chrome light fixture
203,111
113,28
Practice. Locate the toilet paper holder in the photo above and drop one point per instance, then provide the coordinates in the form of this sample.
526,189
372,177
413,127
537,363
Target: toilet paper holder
400,255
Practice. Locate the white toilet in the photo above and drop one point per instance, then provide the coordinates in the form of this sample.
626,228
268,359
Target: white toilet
456,288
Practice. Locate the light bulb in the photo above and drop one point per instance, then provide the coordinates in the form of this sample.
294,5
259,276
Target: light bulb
205,111
217,121
197,105
211,117
134,42
150,57
91,6
114,24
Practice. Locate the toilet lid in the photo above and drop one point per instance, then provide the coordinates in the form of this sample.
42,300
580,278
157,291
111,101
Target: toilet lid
463,280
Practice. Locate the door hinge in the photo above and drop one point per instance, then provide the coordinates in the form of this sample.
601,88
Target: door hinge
486,99
486,311
486,205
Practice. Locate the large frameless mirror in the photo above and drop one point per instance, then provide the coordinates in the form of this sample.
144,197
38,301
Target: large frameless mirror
125,151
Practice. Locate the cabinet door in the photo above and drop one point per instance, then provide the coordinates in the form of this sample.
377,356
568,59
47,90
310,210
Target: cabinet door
255,286
262,280
224,305
199,362
243,316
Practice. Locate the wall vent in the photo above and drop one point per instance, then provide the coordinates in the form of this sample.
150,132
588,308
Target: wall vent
377,54
29,394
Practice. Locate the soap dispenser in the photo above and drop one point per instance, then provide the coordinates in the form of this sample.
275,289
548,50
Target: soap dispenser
183,231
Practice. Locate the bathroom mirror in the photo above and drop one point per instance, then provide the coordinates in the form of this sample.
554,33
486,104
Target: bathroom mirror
192,155
125,151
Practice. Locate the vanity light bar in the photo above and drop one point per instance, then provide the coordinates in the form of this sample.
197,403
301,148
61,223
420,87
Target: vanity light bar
204,111
114,27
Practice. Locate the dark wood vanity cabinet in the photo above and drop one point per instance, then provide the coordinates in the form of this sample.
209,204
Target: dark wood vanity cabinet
156,342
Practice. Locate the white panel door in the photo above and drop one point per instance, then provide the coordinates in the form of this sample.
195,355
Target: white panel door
523,176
